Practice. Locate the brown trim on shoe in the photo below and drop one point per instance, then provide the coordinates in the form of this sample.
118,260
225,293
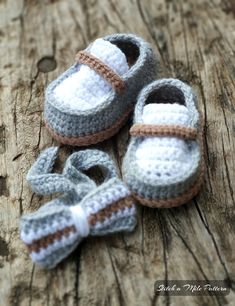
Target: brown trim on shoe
173,202
102,69
92,138
187,133
187,195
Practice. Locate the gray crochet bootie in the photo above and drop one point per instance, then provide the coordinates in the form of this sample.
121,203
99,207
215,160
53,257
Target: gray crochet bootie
56,229
164,163
92,100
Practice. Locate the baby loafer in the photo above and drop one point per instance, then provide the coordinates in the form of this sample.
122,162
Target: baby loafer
93,99
164,164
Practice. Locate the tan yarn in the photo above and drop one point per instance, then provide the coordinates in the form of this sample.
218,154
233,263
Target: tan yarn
92,138
45,241
187,195
108,211
102,69
163,130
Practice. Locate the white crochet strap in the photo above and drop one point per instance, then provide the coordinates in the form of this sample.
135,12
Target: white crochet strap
102,69
80,220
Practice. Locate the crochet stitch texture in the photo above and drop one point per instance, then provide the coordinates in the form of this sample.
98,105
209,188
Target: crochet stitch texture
95,76
73,126
84,208
164,163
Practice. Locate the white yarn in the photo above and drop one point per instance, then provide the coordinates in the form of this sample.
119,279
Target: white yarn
124,213
80,220
72,237
108,197
164,157
56,245
86,89
45,230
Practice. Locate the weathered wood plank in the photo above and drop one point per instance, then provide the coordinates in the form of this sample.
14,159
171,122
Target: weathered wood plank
194,41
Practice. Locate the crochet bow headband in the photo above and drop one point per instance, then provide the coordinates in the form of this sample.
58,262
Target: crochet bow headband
56,229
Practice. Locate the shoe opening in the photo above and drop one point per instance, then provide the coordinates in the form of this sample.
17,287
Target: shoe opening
166,94
130,50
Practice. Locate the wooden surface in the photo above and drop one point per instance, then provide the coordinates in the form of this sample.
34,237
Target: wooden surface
194,41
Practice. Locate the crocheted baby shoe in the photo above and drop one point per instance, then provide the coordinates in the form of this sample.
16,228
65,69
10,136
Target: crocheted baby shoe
92,100
84,208
164,163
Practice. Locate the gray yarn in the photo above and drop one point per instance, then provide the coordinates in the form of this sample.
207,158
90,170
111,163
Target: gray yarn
66,121
77,190
140,181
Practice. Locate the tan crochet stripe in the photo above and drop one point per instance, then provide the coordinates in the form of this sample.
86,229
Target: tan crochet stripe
102,69
92,138
163,130
190,193
108,211
45,241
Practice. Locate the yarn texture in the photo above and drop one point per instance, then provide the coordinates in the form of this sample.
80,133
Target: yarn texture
56,229
164,161
85,88
82,107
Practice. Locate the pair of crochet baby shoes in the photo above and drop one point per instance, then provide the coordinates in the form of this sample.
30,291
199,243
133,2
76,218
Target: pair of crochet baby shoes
89,103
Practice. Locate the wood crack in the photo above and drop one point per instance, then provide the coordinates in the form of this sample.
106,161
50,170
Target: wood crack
77,274
205,223
119,290
31,286
149,28
194,42
227,172
165,247
118,14
193,256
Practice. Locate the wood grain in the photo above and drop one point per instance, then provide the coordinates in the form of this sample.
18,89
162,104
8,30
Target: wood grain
194,41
